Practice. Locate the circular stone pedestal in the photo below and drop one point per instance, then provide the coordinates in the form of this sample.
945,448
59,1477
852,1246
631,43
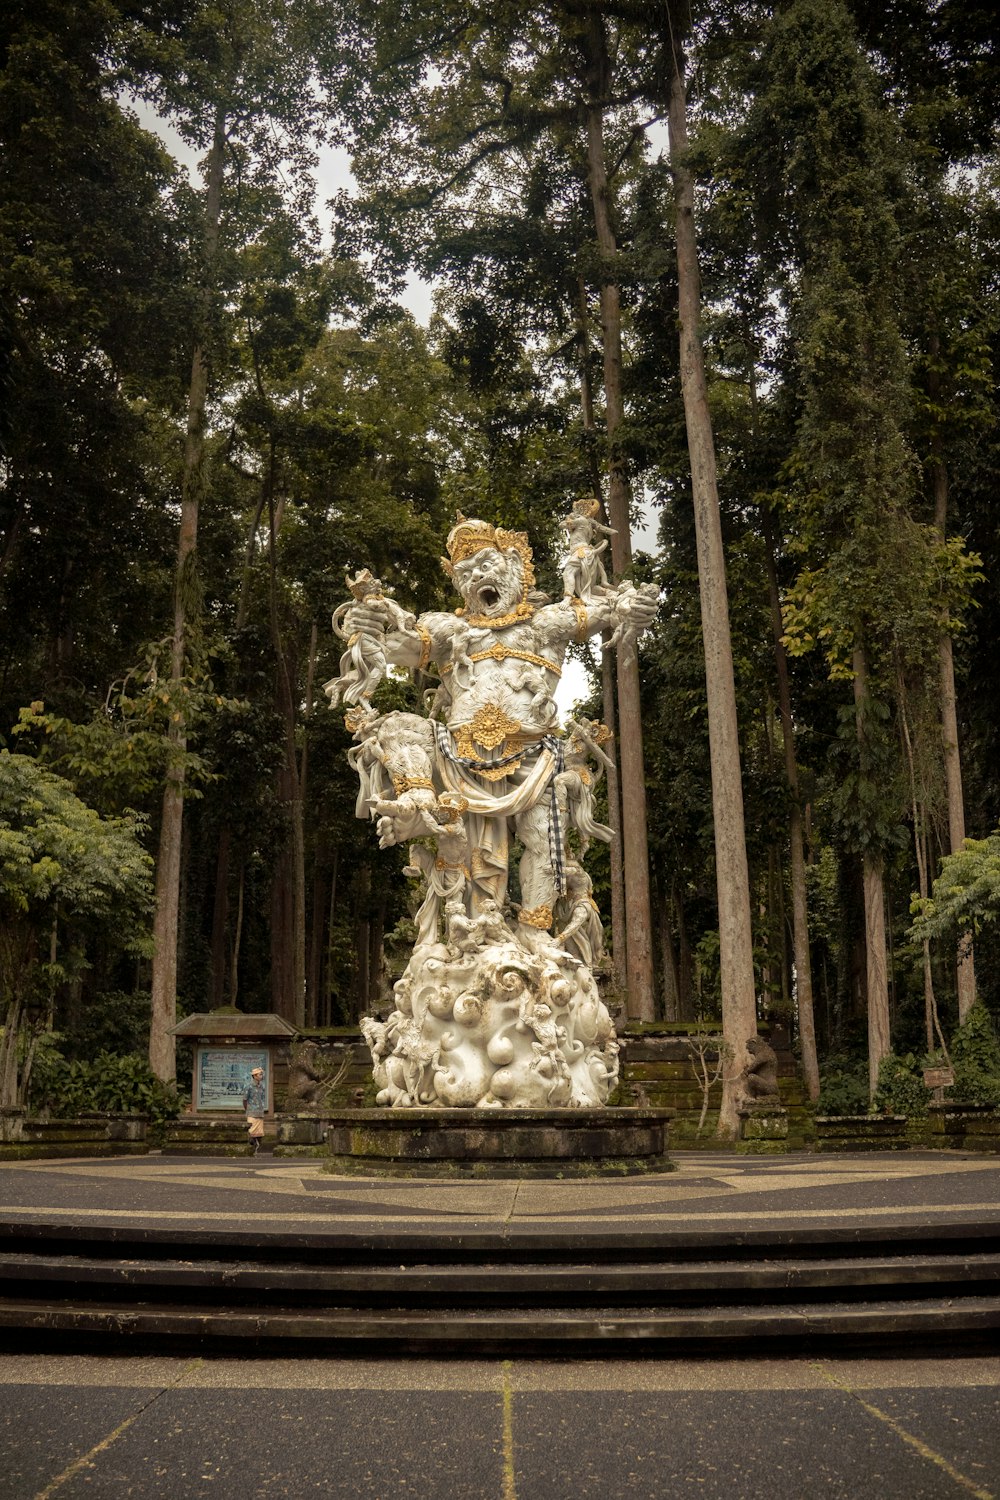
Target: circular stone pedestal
498,1142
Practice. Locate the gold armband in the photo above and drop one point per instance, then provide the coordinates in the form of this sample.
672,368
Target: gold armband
580,610
411,784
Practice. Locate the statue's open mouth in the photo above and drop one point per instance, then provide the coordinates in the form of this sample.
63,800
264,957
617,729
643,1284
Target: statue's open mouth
489,598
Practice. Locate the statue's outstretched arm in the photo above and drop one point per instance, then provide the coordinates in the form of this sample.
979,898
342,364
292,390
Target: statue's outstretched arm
618,607
408,641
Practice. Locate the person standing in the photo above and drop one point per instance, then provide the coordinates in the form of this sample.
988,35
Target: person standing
255,1106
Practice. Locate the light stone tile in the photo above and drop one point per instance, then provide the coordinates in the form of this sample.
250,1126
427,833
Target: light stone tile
488,1375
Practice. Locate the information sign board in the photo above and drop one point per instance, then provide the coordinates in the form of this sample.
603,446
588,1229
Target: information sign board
222,1075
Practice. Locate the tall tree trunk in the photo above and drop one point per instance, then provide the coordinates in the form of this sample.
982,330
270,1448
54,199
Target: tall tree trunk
362,945
163,1010
932,1022
8,1054
619,925
308,996
375,935
966,966
641,1002
739,1004
234,962
619,906
289,782
873,878
876,965
220,919
796,838
317,931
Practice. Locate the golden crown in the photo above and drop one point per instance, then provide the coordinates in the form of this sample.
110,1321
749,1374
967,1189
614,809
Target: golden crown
467,537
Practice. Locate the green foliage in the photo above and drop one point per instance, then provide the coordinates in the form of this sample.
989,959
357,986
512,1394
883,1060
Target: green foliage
120,1084
966,894
65,874
58,857
900,1089
109,1021
844,1086
118,758
709,973
975,1056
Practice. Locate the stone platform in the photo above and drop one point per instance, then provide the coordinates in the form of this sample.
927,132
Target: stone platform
498,1143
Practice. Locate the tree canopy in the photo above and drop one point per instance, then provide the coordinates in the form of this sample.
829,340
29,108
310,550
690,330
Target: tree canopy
213,406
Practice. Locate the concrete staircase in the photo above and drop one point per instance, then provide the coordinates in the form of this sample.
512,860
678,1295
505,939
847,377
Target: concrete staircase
521,1290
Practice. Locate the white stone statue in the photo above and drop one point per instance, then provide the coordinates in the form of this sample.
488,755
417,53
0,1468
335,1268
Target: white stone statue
493,1010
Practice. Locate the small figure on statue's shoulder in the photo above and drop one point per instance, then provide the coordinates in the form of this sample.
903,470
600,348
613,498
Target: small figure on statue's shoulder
635,606
582,569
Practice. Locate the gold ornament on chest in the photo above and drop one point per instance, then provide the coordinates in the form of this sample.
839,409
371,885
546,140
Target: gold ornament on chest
488,728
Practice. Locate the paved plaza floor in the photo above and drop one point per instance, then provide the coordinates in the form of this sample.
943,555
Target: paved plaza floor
169,1428
708,1191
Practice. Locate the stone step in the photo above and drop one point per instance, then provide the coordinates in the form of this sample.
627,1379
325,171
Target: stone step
932,1326
514,1287
667,1283
474,1243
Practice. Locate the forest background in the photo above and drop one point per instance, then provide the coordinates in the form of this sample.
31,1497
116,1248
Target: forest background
214,406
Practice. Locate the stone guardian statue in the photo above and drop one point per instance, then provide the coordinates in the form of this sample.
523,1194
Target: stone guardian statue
495,1009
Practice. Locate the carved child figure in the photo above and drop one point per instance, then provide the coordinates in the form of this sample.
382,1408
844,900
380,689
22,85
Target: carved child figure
575,783
582,570
468,934
630,598
583,935
404,747
543,708
363,664
461,663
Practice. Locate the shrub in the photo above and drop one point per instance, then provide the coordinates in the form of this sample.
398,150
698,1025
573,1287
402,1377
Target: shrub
113,1021
975,1056
844,1087
111,1083
900,1089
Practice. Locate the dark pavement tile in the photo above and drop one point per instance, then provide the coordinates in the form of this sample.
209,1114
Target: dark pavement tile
962,1425
717,1445
44,1429
260,1445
